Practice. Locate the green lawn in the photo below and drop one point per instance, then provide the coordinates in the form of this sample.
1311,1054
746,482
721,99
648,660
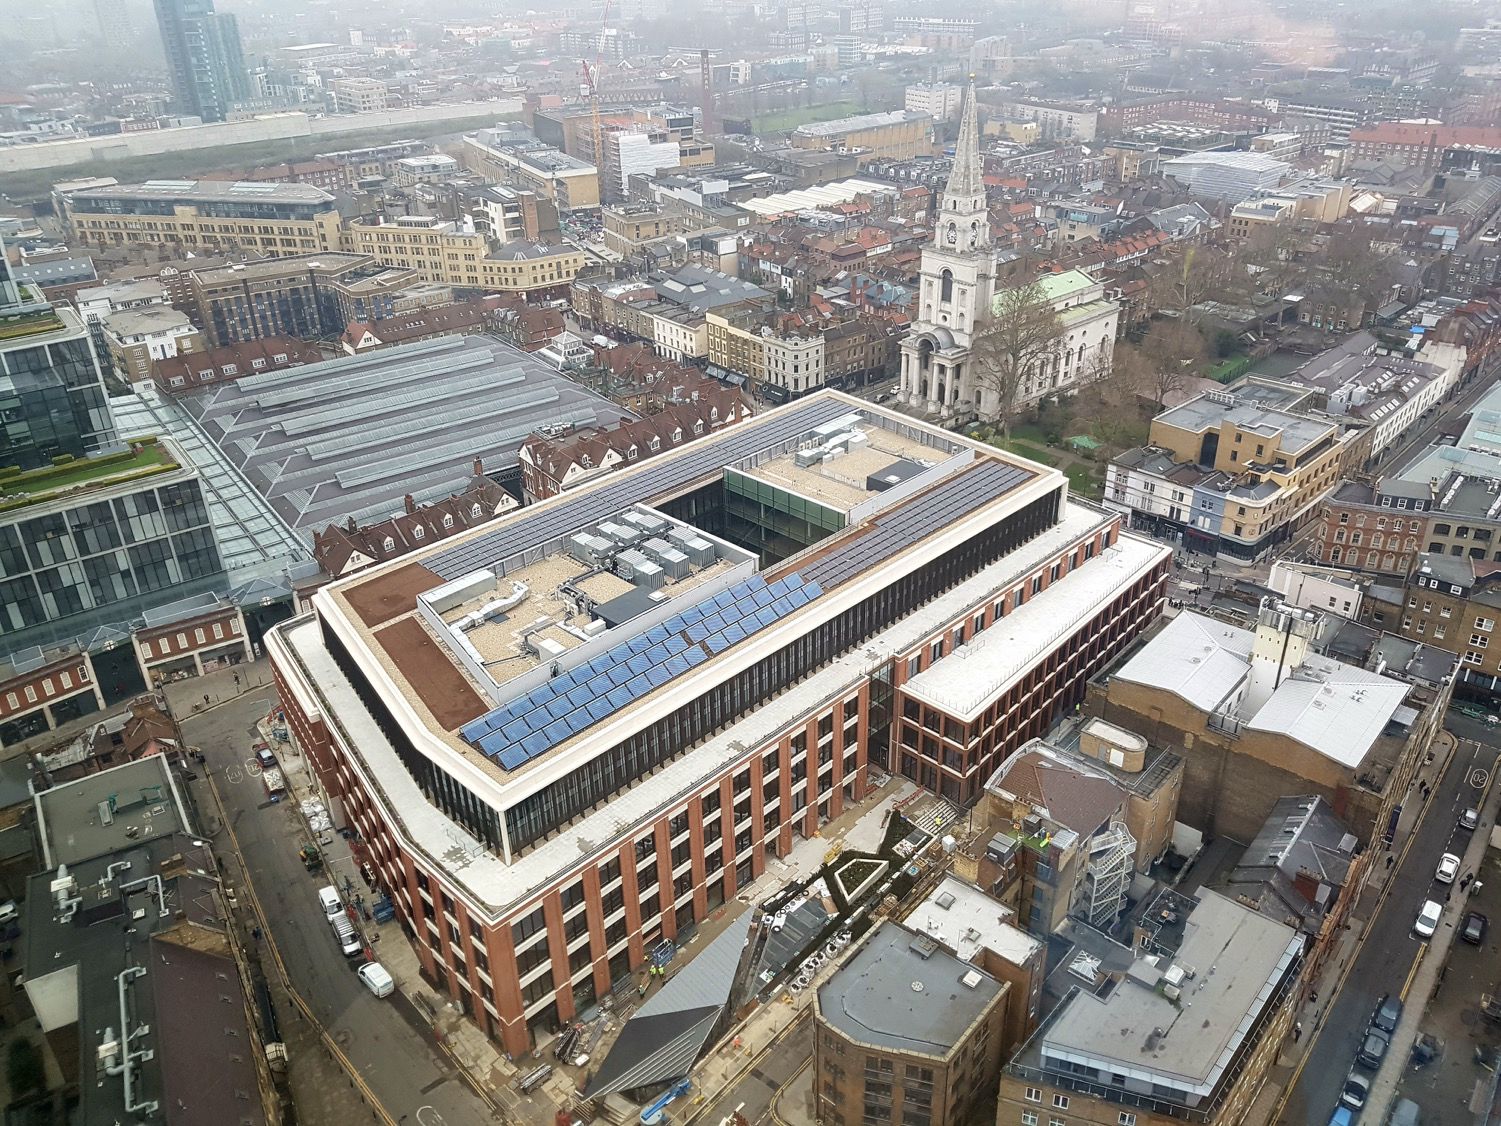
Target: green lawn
1084,481
42,483
784,120
1029,450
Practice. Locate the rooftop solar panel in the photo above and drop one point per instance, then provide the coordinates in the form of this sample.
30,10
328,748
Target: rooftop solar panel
691,615
599,708
698,631
557,732
717,644
695,655
619,697
527,529
513,758
534,744
734,634
558,708
659,676
676,644
639,663
657,634
494,743
618,675
638,686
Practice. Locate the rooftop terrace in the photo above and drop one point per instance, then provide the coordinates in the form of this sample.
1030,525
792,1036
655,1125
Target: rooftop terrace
39,486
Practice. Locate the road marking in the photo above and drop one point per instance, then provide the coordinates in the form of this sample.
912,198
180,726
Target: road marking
1479,778
427,1116
233,774
1417,960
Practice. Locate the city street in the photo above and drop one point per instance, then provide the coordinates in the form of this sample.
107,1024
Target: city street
1388,952
754,1094
386,1039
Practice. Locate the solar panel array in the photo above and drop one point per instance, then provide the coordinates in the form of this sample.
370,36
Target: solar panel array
950,500
517,732
557,520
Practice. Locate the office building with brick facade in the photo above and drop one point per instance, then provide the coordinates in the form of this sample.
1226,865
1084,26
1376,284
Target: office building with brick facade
731,628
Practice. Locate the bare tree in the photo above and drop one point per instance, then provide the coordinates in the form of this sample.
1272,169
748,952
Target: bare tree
1170,354
1020,341
1200,273
1350,261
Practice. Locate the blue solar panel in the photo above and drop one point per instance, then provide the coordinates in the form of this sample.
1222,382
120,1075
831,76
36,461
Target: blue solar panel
763,597
674,624
693,614
657,634
478,727
638,686
813,589
778,588
639,663
659,676
794,579
734,634
763,617
714,622
676,666
512,758
577,721
556,731
619,697
534,744
600,708
675,645
563,681
580,696
717,644
618,675
515,729
558,708
796,598
696,656
494,743
640,643
698,631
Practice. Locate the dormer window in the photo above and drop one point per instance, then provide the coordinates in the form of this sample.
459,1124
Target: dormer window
630,453
447,520
474,511
418,532
586,461
698,427
390,544
655,444
677,433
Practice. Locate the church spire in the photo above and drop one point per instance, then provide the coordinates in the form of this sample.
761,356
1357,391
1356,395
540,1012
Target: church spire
967,179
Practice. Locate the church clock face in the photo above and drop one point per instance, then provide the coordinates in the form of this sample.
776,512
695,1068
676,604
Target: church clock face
952,236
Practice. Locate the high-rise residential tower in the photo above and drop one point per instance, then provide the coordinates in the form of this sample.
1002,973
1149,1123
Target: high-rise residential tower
204,56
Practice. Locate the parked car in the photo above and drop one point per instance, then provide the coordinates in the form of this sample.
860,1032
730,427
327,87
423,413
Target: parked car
1448,868
1474,928
1427,921
264,756
1388,1013
1469,819
1372,1050
1356,1090
1342,1116
377,979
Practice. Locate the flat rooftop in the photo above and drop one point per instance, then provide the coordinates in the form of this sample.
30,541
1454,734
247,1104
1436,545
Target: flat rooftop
205,191
281,267
901,992
111,810
503,883
967,921
963,683
1238,958
878,460
1297,432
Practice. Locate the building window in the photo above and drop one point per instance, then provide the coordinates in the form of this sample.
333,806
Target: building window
1029,1118
1033,1095
1485,625
1126,1119
1060,1102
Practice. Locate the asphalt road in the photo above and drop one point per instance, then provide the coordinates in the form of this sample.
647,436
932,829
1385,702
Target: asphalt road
1389,948
753,1095
388,1042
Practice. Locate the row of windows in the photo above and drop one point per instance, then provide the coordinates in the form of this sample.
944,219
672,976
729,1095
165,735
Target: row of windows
550,808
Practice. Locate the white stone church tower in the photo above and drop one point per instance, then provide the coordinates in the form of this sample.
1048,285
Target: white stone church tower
957,284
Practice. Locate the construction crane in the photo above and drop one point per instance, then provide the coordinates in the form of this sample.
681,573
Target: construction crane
591,87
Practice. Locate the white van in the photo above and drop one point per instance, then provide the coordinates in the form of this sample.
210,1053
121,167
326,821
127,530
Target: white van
349,941
328,899
377,980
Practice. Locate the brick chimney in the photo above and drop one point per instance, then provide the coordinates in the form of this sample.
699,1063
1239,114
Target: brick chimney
409,503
